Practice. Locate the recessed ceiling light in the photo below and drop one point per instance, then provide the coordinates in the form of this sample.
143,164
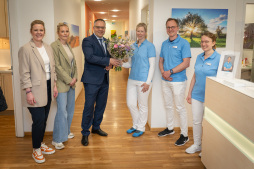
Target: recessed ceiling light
97,0
105,19
115,10
113,20
102,12
114,16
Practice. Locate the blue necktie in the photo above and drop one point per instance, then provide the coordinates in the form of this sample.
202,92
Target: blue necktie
102,46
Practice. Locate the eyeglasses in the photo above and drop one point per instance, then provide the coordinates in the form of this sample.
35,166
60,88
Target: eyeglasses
100,27
204,41
172,27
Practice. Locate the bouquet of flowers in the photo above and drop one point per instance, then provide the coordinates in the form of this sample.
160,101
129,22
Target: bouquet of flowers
120,49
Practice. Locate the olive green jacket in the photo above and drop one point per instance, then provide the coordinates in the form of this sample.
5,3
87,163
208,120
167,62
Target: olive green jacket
65,70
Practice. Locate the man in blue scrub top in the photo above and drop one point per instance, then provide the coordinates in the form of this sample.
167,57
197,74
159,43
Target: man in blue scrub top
174,59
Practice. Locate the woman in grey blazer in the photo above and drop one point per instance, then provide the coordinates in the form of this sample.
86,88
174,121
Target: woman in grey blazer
67,75
38,84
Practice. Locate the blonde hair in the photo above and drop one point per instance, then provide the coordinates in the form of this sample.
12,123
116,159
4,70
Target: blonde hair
37,22
142,25
60,25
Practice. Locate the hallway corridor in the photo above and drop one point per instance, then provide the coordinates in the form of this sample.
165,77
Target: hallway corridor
117,151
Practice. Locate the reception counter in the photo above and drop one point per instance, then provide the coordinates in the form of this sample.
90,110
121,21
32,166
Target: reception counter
228,125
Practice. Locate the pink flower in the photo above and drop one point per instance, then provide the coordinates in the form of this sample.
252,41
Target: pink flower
122,46
115,46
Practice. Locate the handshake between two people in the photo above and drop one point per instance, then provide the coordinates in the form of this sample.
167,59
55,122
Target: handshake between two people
113,62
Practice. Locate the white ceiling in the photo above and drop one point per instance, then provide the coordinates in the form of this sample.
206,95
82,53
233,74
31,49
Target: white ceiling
107,6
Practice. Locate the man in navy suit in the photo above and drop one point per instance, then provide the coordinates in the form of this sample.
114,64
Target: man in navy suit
96,80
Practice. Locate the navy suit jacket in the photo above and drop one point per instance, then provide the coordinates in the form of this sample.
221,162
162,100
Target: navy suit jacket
95,61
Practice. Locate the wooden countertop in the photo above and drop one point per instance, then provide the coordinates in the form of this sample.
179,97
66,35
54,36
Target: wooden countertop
5,70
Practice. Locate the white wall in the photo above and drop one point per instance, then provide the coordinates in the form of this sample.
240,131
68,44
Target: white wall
22,13
135,8
249,13
5,58
119,26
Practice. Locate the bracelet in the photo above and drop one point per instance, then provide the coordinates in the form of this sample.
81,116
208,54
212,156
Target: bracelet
28,91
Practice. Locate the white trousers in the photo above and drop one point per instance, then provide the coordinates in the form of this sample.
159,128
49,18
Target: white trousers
198,113
174,92
135,97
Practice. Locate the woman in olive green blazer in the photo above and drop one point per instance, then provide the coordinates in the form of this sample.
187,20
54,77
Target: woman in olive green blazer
66,70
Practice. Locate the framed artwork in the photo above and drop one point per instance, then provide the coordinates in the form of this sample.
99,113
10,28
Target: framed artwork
113,34
195,22
74,35
228,64
248,40
126,34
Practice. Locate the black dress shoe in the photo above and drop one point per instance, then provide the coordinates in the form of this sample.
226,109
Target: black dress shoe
85,141
100,132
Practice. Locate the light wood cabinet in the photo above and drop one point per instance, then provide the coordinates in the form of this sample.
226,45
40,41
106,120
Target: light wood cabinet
4,27
228,130
6,85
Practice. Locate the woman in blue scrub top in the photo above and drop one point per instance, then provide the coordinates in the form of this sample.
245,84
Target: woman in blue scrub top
206,65
228,65
139,84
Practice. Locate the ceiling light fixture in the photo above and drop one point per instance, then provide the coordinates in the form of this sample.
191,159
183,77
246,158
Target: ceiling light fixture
115,10
102,12
113,20
97,0
114,16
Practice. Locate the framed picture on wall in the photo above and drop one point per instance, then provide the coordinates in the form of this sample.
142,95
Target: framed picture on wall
228,64
126,34
248,40
113,34
74,35
193,23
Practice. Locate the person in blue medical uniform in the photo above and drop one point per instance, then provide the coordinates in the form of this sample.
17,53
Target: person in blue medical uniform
139,85
228,65
174,60
206,65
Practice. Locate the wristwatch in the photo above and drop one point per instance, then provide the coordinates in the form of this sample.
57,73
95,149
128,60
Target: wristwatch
171,71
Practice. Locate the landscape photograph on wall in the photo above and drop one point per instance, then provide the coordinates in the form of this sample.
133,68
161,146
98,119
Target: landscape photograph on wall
193,23
74,35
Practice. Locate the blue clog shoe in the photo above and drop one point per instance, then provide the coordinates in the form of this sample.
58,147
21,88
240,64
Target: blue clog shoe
137,133
131,130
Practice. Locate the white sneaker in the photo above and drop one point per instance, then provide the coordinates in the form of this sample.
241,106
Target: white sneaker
193,149
200,154
46,150
71,135
37,156
58,146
